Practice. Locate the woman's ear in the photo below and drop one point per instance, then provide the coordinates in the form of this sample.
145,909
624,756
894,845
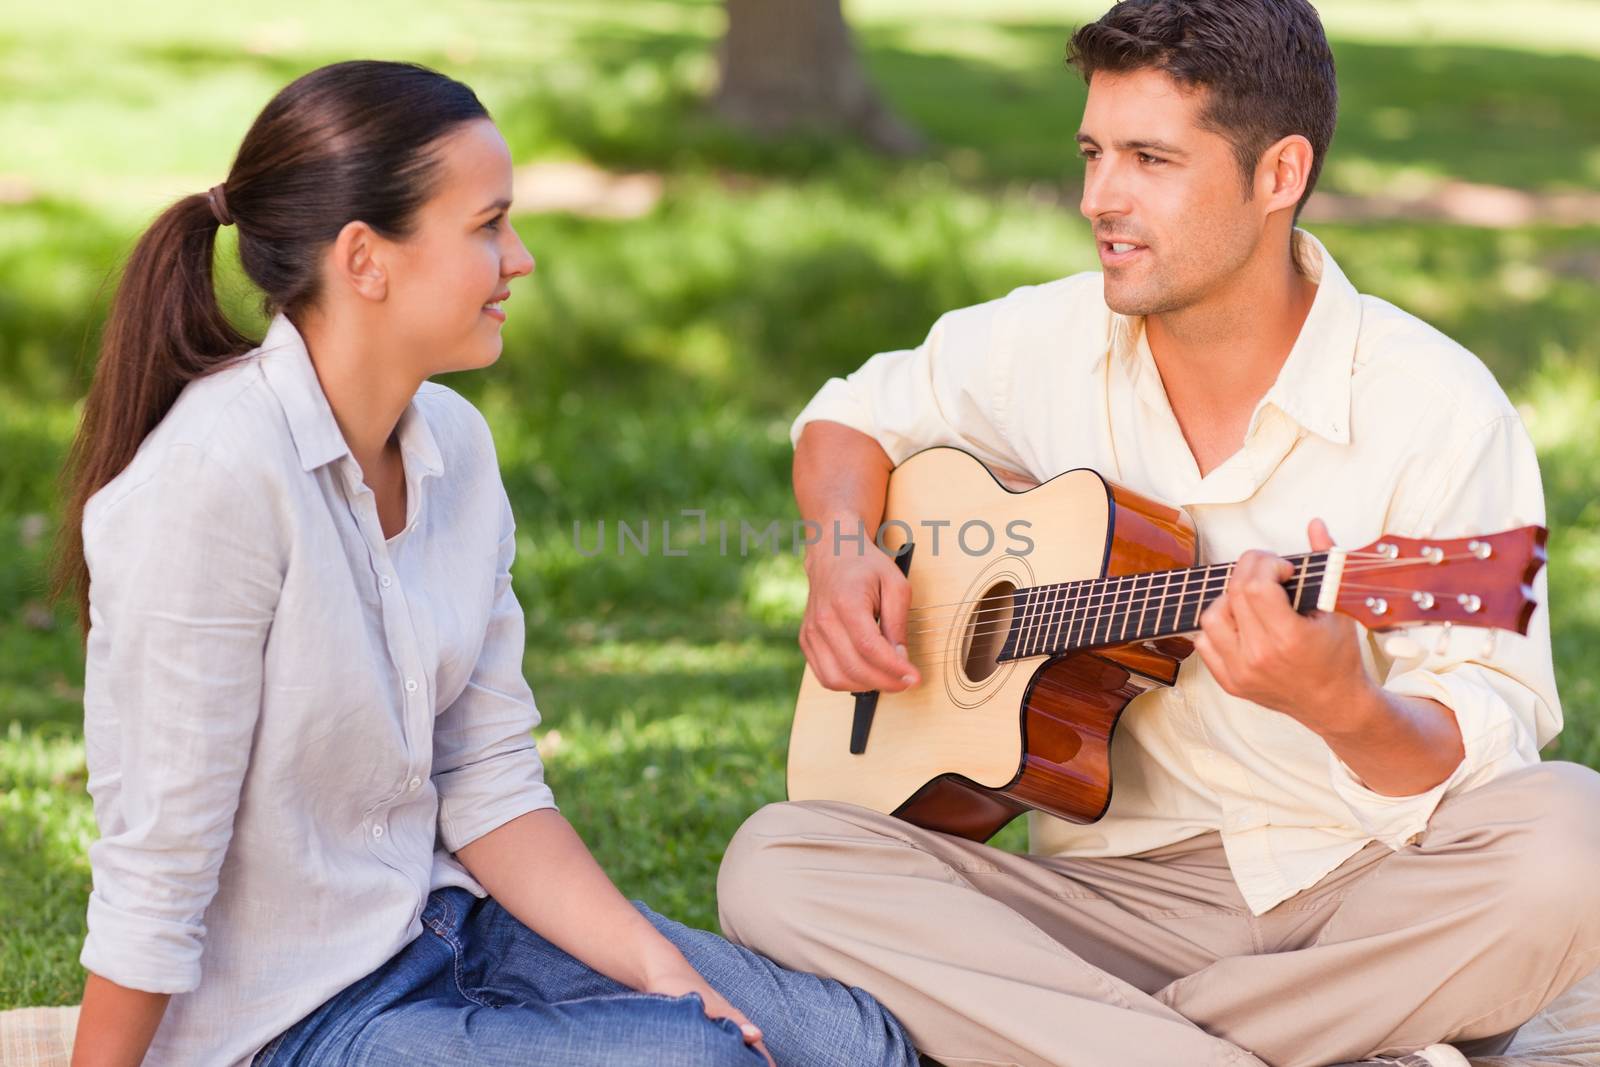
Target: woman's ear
358,261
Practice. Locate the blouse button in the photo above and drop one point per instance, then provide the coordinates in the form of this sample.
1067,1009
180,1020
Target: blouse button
377,831
414,783
411,685
385,581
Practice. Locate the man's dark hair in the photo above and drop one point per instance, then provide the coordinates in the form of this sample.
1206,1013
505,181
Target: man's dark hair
1265,64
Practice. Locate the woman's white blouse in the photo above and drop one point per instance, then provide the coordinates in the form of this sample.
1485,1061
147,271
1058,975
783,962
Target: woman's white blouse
291,722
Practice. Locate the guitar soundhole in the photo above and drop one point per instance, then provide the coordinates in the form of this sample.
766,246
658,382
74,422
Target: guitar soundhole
986,632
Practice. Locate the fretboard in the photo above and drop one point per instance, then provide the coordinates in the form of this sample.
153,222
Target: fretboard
1048,620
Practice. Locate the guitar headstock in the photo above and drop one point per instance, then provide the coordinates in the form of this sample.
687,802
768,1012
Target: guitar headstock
1472,581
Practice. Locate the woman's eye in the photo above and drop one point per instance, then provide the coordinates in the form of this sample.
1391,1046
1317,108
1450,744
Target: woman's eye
493,224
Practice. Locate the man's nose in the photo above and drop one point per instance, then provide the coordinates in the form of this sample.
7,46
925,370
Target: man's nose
1103,191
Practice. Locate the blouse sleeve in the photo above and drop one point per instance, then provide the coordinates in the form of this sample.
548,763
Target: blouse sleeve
486,767
184,581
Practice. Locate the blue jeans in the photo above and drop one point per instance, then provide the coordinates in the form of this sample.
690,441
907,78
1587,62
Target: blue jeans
478,987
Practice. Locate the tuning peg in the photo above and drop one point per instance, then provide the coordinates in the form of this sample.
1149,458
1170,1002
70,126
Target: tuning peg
1442,646
1487,652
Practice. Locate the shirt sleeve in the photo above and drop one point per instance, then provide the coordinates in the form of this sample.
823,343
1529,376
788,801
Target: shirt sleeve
1503,696
486,766
184,580
948,390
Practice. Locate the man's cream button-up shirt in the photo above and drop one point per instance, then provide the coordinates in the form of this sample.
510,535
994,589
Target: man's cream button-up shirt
1377,423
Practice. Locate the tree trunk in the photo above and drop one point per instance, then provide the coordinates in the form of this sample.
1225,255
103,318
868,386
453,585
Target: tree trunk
791,64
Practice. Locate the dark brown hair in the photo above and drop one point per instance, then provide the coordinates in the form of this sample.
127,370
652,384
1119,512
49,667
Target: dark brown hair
346,141
1265,64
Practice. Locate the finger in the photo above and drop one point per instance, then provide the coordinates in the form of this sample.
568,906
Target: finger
896,602
1260,603
1214,661
823,665
1217,622
1317,534
1221,634
846,639
879,659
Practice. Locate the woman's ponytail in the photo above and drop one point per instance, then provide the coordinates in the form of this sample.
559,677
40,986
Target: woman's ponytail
165,329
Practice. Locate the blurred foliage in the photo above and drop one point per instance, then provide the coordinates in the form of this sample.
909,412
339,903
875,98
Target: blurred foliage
653,365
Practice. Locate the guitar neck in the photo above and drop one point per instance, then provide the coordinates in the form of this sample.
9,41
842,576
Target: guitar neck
1049,620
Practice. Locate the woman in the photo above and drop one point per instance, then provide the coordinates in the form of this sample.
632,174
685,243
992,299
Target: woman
307,729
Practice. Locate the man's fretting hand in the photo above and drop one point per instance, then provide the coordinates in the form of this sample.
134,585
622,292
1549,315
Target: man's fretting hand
1260,649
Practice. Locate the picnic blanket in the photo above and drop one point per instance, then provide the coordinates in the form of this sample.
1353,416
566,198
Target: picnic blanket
1565,1034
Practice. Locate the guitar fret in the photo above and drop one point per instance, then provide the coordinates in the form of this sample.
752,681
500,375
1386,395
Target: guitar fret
1158,578
1131,620
1119,621
1181,620
1052,637
1041,619
1108,612
1101,611
1080,592
1092,615
1051,616
1174,592
1209,590
1080,602
1025,626
1046,617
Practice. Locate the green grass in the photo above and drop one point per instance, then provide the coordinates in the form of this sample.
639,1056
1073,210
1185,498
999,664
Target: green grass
653,365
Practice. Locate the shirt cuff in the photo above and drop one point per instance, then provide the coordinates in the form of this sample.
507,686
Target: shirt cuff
497,791
141,951
1487,738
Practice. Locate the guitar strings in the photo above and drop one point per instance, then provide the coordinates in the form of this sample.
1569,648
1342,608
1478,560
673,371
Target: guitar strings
1119,588
1068,622
1065,622
1310,560
1112,603
935,646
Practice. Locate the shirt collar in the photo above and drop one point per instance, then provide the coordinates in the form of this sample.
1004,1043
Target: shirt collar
1313,385
286,363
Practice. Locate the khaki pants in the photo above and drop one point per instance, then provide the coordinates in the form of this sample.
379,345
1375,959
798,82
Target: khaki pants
1155,961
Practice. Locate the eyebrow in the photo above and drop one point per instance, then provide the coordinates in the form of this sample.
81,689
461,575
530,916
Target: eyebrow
498,205
1138,146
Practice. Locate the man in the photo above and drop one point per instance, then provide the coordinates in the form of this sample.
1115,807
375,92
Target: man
1320,847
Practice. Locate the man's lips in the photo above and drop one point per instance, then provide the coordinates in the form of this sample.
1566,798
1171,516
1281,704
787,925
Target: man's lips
1115,252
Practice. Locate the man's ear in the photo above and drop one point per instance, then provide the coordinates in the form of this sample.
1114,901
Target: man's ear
1283,172
358,260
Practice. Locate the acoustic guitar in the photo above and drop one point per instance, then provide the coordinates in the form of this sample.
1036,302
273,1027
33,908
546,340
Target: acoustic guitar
1036,616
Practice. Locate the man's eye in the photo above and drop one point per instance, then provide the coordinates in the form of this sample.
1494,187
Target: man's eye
1088,153
1146,157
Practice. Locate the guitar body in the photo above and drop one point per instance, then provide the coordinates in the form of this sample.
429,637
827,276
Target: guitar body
980,741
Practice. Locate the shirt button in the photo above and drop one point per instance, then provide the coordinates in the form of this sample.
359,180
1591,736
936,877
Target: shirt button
377,831
411,685
385,581
415,783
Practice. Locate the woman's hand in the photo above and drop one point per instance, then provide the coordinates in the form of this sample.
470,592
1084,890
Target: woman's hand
677,979
539,870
